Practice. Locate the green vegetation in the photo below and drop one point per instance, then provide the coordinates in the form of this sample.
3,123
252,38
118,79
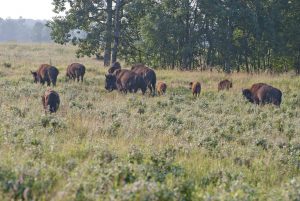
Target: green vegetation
248,35
109,146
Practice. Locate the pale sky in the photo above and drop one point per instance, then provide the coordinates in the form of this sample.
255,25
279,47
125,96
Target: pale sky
29,9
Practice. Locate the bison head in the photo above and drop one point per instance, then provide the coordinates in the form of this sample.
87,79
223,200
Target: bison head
110,82
191,85
35,77
248,95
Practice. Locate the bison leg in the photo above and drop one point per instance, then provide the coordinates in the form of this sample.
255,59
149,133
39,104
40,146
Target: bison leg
153,88
150,88
143,91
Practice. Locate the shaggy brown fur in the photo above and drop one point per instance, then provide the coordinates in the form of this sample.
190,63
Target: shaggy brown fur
251,94
115,66
125,81
148,74
76,71
51,101
46,73
225,84
196,88
161,88
262,93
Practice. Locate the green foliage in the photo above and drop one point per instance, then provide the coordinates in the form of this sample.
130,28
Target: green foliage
252,36
111,146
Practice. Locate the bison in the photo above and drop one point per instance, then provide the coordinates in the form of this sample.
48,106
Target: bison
148,74
161,88
249,94
125,81
225,84
50,101
115,66
196,88
75,71
262,93
46,73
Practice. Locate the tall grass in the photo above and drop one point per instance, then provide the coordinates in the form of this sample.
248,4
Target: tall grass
110,146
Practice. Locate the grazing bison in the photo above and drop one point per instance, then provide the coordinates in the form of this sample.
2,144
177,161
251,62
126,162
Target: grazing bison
115,66
46,73
148,74
250,94
76,71
161,88
125,81
196,88
261,93
51,101
225,84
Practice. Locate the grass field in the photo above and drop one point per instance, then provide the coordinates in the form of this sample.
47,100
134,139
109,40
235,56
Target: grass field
110,146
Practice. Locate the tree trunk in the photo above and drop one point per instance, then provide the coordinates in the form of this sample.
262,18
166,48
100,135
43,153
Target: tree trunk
108,35
247,64
297,63
116,31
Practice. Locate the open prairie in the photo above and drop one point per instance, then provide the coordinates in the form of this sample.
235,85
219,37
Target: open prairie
110,146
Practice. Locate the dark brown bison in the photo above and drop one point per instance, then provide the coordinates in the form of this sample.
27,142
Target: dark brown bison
148,74
76,71
225,84
51,101
46,73
250,94
125,81
161,88
196,88
115,66
262,93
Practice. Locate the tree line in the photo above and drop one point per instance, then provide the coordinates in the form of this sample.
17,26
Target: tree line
230,35
24,30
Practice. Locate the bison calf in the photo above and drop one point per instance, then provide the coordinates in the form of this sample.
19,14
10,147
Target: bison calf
76,71
45,73
196,88
262,93
161,88
51,101
225,84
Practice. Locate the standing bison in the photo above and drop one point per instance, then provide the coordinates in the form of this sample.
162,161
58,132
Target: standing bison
262,93
196,88
148,74
46,73
161,88
125,81
75,71
50,101
225,84
115,66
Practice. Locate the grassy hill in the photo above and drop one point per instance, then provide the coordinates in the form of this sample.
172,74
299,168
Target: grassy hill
110,146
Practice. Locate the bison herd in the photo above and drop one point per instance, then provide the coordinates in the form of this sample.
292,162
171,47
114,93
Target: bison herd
140,77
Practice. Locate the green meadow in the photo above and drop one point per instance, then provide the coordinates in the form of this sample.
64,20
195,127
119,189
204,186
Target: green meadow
111,146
